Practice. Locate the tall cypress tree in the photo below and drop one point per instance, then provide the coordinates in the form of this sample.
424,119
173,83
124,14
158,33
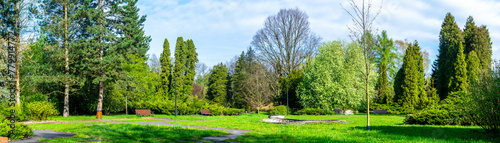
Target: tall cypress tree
166,72
458,80
473,68
179,65
478,39
410,78
450,39
190,65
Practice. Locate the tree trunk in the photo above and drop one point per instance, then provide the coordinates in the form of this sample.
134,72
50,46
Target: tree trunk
17,34
367,97
66,86
101,83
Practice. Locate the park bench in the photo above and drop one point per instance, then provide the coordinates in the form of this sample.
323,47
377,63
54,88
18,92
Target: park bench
206,112
146,112
380,112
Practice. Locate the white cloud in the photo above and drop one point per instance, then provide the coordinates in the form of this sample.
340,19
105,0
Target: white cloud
221,29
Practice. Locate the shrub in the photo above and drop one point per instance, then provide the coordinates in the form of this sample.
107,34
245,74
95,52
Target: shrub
315,111
450,111
22,130
484,102
5,110
41,110
233,111
279,110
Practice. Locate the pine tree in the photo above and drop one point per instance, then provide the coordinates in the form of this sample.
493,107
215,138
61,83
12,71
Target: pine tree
411,81
458,80
450,38
131,30
166,72
478,39
179,66
190,65
473,69
60,26
217,84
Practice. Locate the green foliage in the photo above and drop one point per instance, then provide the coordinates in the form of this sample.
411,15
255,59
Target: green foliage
484,101
290,84
473,69
315,111
451,111
386,62
41,110
330,82
233,111
450,38
279,110
410,81
22,130
217,84
190,67
478,39
166,78
458,80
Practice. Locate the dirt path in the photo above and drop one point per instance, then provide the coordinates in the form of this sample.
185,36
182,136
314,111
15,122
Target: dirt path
45,134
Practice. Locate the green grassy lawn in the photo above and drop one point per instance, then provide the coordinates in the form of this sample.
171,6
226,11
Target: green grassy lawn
384,128
126,132
104,117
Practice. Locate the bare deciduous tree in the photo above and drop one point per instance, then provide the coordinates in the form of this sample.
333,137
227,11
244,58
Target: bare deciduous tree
257,91
363,20
286,40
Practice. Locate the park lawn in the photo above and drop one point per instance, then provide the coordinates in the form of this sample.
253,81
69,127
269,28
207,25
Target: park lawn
126,132
104,117
384,128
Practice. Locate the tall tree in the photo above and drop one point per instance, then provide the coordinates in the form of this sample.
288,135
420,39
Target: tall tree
458,79
257,92
473,68
330,83
131,30
190,65
217,84
410,81
60,26
179,65
478,39
286,41
363,19
386,60
166,72
450,39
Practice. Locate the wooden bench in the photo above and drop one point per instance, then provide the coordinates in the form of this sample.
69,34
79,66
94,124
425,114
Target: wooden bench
380,112
206,112
4,139
146,112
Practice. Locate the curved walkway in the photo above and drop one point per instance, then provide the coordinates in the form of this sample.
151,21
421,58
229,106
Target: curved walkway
50,134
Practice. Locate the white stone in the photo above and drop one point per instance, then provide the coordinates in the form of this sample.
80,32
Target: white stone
348,112
277,116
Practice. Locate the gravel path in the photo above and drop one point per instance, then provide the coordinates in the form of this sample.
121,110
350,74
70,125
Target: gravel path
46,134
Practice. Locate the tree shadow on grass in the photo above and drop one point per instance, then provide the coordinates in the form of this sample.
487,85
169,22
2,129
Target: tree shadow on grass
449,133
138,133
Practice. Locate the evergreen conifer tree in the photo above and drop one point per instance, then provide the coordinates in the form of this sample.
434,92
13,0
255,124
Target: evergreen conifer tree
410,80
450,39
190,67
458,80
179,66
217,84
166,72
473,69
477,39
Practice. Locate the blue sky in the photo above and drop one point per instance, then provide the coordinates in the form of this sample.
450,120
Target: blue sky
222,29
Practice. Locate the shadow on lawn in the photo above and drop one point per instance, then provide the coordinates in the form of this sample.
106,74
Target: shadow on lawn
449,133
139,133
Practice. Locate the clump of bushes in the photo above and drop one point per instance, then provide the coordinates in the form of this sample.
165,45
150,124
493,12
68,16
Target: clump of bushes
22,130
314,111
41,110
484,101
279,110
233,111
448,112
